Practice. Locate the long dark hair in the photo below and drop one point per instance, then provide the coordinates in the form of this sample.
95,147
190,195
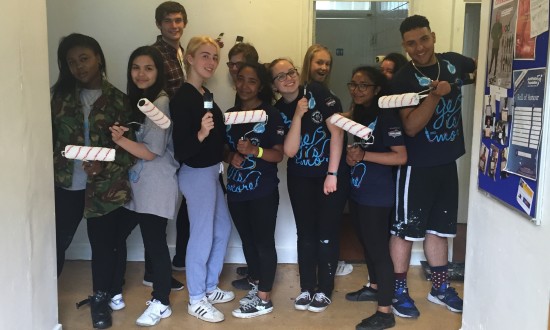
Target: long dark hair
378,79
265,93
66,82
134,92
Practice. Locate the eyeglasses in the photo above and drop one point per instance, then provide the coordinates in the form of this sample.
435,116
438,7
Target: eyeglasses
361,87
234,64
292,73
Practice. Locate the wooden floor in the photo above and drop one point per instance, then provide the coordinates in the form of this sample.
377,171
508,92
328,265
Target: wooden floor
75,285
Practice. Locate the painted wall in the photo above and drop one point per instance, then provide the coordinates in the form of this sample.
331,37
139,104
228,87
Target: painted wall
507,264
27,241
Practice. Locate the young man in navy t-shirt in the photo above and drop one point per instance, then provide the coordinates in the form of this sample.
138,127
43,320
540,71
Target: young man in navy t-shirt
427,198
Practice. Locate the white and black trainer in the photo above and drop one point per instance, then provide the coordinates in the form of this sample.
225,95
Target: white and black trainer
255,307
219,296
205,311
154,312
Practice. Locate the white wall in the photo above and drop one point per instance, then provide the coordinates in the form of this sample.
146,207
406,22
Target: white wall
507,263
280,28
27,241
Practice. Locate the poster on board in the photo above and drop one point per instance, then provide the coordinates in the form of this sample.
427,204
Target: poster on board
501,43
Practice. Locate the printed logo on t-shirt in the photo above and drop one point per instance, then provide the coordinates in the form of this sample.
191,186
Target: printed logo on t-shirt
330,102
394,132
317,117
280,130
357,174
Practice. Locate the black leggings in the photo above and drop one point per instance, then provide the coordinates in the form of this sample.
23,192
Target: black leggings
318,218
372,226
69,210
255,221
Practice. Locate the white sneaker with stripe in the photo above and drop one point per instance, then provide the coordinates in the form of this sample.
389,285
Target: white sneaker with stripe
204,310
219,296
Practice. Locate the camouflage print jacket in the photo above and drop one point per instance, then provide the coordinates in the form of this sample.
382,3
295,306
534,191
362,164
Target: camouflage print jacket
109,189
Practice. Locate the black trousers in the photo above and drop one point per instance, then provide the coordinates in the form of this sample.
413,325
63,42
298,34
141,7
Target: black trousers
318,219
153,232
69,210
255,221
372,226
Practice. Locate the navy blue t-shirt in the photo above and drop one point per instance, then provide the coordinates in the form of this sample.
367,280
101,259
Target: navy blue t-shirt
311,160
257,178
442,140
372,184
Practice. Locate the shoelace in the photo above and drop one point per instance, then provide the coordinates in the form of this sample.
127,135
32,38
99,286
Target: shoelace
304,295
251,305
322,297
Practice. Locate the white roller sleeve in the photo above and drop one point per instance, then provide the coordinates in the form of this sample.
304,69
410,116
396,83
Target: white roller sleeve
243,117
351,126
89,153
151,111
399,100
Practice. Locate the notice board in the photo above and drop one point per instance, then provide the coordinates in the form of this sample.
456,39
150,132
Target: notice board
513,107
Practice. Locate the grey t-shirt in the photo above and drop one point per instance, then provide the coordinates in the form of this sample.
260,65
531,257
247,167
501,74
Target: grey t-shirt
154,183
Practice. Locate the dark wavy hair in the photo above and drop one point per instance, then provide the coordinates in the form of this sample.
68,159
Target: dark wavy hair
378,79
265,94
250,53
398,59
134,92
413,22
66,82
170,7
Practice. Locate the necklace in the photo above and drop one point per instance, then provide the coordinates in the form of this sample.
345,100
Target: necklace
422,73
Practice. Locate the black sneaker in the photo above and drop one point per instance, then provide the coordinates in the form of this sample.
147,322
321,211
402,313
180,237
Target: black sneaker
175,285
255,307
366,293
178,265
303,301
100,310
243,271
244,283
319,303
377,321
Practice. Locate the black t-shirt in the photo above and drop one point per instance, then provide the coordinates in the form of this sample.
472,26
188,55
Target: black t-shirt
311,160
186,111
442,140
257,178
372,184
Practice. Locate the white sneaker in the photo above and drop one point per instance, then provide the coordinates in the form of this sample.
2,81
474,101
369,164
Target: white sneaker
219,296
117,302
343,268
154,312
249,298
205,311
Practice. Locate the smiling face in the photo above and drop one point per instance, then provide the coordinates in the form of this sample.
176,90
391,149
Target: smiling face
320,66
248,86
366,96
171,27
419,44
288,86
85,66
144,72
205,61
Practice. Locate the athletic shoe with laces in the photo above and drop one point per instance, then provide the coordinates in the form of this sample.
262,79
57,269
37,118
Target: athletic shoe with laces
319,303
154,312
366,293
205,311
377,321
255,307
343,269
302,301
403,305
249,296
447,297
219,296
175,285
117,302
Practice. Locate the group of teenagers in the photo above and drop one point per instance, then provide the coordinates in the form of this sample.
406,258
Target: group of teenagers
401,183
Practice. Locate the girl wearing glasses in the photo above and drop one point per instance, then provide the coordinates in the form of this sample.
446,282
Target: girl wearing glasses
252,185
84,104
199,139
315,186
153,178
373,188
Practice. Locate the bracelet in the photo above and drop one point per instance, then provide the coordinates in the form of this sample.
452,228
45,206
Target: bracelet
332,173
260,152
